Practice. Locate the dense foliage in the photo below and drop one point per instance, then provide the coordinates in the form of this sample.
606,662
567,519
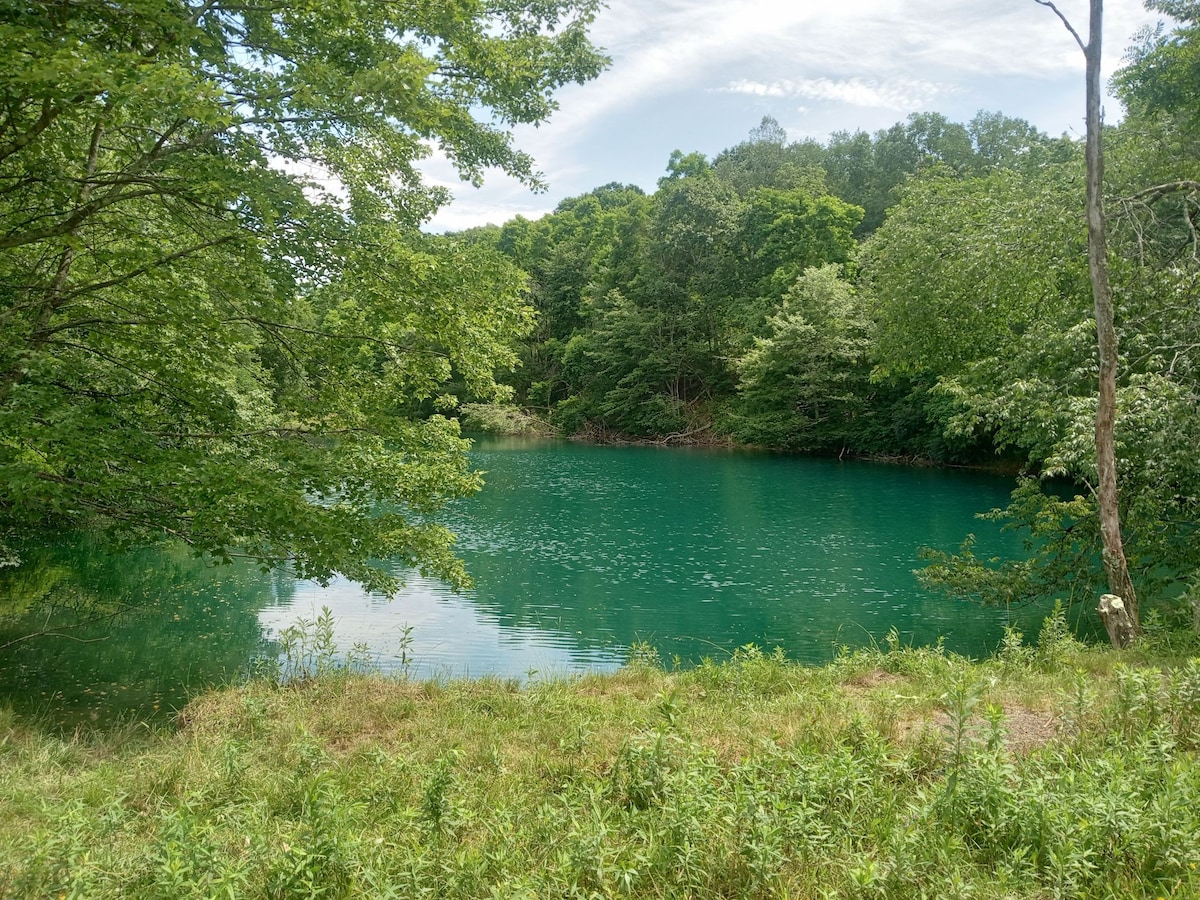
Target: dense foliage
219,322
918,292
668,315
1045,772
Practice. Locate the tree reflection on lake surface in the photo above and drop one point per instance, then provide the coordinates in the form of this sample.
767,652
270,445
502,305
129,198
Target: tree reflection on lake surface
577,552
92,634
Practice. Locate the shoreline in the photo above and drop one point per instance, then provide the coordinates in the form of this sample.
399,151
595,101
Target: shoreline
694,438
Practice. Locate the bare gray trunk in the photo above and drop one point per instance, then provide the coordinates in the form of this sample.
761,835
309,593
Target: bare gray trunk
1115,566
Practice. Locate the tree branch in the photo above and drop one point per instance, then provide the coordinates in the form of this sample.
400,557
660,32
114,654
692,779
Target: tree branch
163,389
333,336
142,270
119,192
1065,21
74,220
49,114
1151,194
278,431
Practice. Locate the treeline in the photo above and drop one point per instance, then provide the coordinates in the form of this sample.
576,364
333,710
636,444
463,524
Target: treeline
919,291
735,301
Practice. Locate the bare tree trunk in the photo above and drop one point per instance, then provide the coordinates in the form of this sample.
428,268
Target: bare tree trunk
1117,621
1115,565
1116,568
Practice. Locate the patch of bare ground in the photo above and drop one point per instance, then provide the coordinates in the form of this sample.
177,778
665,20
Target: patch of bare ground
1028,729
1025,730
872,679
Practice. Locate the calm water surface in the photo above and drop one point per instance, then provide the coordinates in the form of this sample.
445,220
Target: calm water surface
577,553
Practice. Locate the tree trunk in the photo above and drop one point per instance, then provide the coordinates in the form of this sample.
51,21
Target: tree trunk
1116,619
1115,566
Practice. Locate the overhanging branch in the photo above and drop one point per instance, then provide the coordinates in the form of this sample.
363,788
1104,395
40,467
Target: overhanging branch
1065,21
1158,191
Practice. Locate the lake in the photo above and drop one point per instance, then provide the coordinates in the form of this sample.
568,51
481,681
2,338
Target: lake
577,553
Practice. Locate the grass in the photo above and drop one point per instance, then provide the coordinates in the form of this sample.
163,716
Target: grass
1047,771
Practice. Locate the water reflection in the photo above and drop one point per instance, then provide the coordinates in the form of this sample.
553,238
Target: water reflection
87,634
577,553
429,631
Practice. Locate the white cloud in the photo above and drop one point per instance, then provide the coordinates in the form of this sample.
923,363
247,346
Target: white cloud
758,89
903,95
469,210
883,51
719,65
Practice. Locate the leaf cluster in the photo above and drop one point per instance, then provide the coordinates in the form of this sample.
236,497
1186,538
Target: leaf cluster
219,323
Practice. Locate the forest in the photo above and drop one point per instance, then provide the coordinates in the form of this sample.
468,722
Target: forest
918,294
218,315
224,332
223,326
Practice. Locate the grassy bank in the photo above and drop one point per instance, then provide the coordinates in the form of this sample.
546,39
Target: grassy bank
1049,771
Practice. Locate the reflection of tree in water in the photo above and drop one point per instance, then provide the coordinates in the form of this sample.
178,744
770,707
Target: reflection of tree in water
700,552
89,634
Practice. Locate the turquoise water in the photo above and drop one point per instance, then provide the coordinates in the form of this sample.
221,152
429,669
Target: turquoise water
577,553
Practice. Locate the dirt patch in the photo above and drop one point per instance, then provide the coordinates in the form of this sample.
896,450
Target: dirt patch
1028,729
873,678
1024,729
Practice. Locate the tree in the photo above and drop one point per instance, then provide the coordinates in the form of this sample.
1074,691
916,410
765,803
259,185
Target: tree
786,232
218,318
1116,566
970,269
1001,141
767,160
1159,83
1162,134
867,170
1006,320
804,384
574,256
652,351
981,289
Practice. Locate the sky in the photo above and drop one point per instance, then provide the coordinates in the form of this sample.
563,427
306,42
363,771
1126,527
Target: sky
698,75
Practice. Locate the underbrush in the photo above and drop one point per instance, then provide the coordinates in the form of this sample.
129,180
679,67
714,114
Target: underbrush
1048,771
505,419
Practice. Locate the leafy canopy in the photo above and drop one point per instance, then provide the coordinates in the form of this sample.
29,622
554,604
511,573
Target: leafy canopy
217,319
